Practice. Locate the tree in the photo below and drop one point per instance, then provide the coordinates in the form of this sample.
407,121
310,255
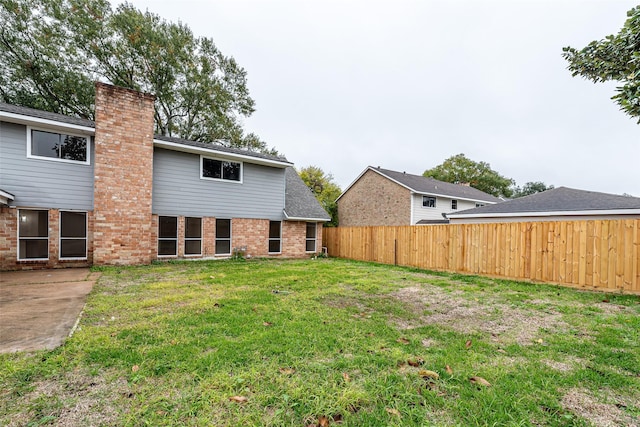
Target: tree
616,58
531,188
324,189
52,51
459,169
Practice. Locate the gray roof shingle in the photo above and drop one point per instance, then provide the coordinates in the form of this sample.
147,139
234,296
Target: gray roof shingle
299,202
31,112
61,118
218,146
421,184
557,200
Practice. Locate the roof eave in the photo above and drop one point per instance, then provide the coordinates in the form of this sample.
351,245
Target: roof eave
295,218
212,151
38,121
593,212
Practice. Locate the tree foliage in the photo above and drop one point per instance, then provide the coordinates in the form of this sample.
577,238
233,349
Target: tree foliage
614,58
52,51
459,169
531,187
324,189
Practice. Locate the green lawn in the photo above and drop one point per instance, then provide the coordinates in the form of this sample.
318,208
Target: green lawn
331,342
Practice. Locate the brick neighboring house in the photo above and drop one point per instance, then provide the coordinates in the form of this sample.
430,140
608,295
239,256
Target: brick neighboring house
385,197
76,193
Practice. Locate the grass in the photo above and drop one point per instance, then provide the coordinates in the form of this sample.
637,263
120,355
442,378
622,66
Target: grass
331,342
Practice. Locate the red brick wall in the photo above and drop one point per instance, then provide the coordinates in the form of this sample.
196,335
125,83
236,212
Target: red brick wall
374,200
9,243
250,233
124,229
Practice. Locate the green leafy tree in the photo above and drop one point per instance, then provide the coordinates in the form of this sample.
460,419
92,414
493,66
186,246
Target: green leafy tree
52,51
324,188
459,169
529,188
615,58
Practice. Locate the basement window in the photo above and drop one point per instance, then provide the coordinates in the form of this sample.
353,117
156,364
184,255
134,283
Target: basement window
73,235
33,235
222,170
428,202
57,146
167,236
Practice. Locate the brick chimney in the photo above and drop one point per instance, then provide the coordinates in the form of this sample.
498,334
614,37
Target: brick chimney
123,169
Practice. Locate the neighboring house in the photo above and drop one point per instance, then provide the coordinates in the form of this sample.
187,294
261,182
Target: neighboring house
385,197
75,192
558,204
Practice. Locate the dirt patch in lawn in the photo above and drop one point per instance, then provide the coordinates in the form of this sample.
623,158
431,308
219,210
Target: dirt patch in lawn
505,324
587,406
74,400
569,364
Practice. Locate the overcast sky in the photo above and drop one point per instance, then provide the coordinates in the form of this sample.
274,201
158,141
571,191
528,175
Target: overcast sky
405,84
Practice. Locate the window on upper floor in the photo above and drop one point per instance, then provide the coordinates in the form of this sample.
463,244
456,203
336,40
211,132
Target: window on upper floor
57,146
33,234
73,235
454,204
220,169
428,202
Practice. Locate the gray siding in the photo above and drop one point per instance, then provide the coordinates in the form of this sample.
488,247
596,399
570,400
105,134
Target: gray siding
42,183
178,189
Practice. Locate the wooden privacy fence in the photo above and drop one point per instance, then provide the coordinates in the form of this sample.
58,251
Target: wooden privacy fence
601,254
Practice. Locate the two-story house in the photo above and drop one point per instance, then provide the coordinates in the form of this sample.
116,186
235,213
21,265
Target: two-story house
75,192
385,197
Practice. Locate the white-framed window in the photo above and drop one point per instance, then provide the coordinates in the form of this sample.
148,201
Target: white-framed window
312,230
73,235
454,204
275,237
167,236
56,146
479,205
220,170
428,201
192,236
33,235
223,236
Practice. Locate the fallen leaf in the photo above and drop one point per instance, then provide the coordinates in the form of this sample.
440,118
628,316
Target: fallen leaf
605,300
416,362
429,374
501,351
480,381
267,324
449,370
393,411
468,344
238,399
539,340
287,371
403,340
323,421
346,377
135,368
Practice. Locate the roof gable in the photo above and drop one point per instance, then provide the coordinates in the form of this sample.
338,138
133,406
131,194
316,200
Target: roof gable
561,199
430,186
299,202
